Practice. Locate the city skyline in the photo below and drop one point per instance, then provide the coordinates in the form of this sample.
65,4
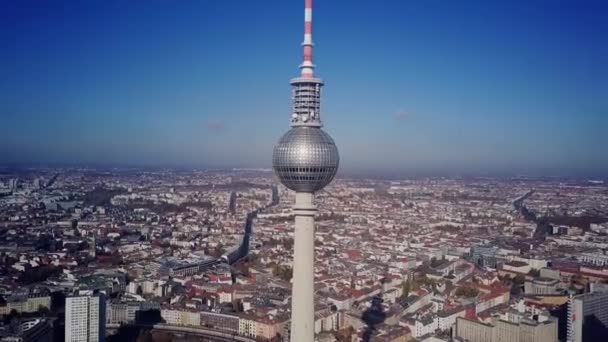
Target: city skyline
474,89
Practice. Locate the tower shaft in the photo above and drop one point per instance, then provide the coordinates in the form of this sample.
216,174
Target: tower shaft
302,298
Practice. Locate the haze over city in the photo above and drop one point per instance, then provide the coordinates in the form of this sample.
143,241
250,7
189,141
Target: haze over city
470,87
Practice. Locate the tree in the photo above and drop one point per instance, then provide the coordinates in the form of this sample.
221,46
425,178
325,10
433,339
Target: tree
39,274
519,279
43,310
125,333
423,281
145,336
344,335
161,336
288,244
436,262
283,272
468,292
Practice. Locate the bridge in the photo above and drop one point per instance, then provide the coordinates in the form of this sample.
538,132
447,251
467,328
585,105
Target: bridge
204,332
216,335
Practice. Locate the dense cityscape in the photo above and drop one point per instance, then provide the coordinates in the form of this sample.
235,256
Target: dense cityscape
465,198
178,255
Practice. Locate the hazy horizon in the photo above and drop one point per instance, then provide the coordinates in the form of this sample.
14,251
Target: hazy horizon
361,173
471,88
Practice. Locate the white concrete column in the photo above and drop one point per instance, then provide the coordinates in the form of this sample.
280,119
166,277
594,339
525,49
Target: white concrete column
302,301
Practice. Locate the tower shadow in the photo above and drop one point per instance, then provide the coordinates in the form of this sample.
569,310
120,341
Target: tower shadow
372,317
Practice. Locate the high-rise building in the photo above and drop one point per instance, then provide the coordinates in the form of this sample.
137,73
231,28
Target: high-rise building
232,203
93,247
587,314
85,318
305,160
484,256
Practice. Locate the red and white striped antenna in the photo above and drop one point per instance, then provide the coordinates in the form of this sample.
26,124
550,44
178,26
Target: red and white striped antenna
307,67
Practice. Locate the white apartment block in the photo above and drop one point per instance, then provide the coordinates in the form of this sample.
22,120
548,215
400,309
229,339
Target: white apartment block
85,319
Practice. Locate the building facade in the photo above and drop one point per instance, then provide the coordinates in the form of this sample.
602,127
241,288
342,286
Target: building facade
586,307
500,330
218,321
543,287
26,304
85,318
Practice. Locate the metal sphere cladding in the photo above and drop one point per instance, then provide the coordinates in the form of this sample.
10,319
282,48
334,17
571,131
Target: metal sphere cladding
305,159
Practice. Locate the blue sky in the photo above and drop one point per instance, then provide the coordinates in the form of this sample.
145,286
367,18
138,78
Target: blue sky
475,87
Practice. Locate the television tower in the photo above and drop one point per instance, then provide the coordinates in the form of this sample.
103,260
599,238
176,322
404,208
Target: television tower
305,160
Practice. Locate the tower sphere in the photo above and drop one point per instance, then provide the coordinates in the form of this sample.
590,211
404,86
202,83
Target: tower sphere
305,159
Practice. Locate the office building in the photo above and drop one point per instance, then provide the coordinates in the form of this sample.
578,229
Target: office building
85,318
587,314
